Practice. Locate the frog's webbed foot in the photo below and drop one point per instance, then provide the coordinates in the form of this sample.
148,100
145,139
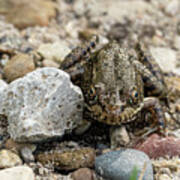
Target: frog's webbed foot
153,105
151,73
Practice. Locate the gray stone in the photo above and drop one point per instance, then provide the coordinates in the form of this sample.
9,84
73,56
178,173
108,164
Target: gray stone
43,104
118,165
27,153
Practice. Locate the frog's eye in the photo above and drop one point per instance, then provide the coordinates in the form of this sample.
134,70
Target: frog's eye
134,94
92,91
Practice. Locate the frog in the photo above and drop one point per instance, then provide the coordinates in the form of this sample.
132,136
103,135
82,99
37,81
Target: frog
117,86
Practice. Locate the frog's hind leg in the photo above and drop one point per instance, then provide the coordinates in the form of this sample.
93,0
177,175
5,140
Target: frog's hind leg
151,73
153,105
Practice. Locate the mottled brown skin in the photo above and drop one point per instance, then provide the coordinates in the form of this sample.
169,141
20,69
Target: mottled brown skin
114,83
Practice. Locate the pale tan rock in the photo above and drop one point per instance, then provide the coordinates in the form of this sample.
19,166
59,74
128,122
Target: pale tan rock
18,66
173,84
164,177
50,63
24,13
56,51
17,173
119,137
9,159
165,57
83,174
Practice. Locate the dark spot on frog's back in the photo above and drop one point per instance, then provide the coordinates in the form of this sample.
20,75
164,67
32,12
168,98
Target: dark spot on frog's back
78,106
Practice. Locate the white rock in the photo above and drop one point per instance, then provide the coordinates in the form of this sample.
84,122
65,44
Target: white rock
164,177
3,85
43,104
177,71
9,159
56,51
165,57
17,173
172,7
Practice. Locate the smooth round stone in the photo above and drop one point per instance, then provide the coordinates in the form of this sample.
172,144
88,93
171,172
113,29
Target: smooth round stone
119,165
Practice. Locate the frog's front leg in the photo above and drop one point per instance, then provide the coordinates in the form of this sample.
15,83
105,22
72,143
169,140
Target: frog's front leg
75,72
152,104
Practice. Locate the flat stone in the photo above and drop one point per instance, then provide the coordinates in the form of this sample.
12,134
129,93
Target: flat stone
120,164
69,159
17,173
18,66
9,159
43,104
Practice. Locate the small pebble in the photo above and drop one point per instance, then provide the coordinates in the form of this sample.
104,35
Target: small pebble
18,66
9,159
83,174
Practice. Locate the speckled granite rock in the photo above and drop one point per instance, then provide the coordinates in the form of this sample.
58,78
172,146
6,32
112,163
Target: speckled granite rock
118,165
43,104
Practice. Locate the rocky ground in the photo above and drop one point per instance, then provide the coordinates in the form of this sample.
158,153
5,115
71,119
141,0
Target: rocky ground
40,108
